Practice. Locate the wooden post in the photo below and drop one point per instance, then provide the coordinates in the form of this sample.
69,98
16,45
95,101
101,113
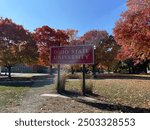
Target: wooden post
50,70
0,70
83,85
58,79
94,64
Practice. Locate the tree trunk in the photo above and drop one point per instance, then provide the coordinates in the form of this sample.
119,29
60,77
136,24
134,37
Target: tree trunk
72,70
145,66
0,70
108,69
9,71
50,70
133,70
129,70
94,70
5,71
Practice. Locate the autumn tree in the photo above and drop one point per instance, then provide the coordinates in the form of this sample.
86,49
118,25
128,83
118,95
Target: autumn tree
132,32
106,48
62,38
73,40
16,45
94,37
72,34
106,53
47,37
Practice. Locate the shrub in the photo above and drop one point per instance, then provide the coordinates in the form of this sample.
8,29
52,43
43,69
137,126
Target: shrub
74,76
89,87
79,76
63,82
88,76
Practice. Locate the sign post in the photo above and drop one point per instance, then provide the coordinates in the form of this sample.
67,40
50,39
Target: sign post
72,55
0,70
58,78
83,85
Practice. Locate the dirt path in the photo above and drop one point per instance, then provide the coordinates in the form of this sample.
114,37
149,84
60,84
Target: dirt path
32,100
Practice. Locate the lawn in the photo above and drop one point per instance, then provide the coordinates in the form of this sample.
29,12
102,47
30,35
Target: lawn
133,91
11,97
113,93
23,89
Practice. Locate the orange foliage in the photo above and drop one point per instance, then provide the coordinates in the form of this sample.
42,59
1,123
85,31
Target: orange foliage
72,35
94,37
132,31
106,47
16,44
47,37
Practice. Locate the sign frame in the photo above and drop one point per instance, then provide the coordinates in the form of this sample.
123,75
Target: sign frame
93,60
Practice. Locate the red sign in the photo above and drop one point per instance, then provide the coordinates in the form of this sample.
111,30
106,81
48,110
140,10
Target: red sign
72,55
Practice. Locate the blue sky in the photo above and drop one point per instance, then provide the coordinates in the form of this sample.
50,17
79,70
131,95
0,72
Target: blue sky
82,15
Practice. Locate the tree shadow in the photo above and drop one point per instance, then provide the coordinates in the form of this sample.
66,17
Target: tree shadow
42,82
35,81
70,94
102,105
74,93
123,76
114,107
93,95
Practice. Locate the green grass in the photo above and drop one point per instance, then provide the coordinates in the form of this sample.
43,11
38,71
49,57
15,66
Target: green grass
11,97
